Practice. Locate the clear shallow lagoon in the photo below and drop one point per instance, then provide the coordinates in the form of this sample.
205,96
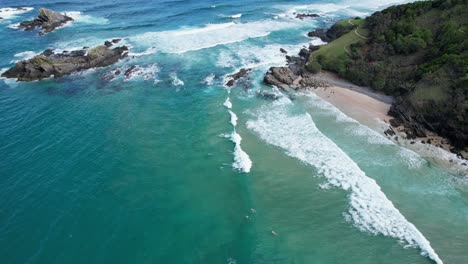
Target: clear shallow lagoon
141,170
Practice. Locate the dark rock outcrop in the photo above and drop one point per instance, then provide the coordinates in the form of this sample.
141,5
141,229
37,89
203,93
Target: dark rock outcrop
267,95
233,78
406,116
302,16
47,20
415,122
50,64
332,33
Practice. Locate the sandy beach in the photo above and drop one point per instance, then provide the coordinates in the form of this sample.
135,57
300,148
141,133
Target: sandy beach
371,109
360,103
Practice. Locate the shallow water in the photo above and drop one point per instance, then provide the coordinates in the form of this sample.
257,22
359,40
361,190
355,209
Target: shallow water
153,169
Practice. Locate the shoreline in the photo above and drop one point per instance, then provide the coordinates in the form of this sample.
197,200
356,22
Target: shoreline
371,108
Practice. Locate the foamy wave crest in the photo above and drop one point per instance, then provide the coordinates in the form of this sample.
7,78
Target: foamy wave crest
345,7
236,16
370,210
11,12
233,118
184,40
147,72
209,80
228,103
175,80
242,160
25,55
250,56
149,51
413,160
86,19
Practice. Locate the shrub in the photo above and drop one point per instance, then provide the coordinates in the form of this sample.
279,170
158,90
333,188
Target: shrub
313,67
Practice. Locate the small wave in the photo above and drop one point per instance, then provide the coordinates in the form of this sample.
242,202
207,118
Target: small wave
11,12
209,80
211,35
242,160
236,16
79,17
412,159
25,55
147,72
149,51
370,210
175,80
243,55
228,103
233,118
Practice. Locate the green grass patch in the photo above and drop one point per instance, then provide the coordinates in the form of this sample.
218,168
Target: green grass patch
339,46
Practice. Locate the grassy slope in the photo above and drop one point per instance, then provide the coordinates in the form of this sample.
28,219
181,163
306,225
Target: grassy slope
338,47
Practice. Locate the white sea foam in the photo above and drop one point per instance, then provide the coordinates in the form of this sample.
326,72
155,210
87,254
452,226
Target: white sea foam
345,7
190,39
209,80
233,118
148,51
243,55
226,60
146,72
412,159
317,41
79,17
370,210
242,160
25,55
175,80
228,103
12,12
236,16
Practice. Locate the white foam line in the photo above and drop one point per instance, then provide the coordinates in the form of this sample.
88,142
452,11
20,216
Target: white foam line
242,161
228,103
370,210
211,35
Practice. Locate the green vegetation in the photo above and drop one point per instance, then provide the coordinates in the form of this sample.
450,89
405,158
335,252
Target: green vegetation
418,51
313,67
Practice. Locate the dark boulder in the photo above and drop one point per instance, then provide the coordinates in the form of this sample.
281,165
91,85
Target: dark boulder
233,78
47,20
302,16
50,64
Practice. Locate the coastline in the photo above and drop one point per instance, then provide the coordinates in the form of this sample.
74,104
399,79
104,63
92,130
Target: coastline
371,108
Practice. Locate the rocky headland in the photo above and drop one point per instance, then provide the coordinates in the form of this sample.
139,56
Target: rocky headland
295,75
423,68
47,20
51,64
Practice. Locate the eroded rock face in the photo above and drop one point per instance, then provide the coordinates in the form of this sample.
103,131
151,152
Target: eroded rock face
50,64
47,20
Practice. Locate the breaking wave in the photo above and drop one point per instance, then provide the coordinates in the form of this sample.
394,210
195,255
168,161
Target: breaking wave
211,35
369,209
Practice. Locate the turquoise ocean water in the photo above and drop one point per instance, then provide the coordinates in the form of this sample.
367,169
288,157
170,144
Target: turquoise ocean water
165,166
